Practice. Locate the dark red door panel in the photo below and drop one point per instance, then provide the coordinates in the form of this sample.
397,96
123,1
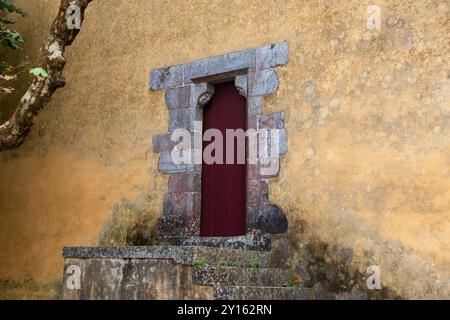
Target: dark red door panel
223,185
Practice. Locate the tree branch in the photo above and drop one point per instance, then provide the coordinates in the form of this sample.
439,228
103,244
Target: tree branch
41,90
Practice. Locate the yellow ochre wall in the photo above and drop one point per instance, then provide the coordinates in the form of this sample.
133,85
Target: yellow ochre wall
367,116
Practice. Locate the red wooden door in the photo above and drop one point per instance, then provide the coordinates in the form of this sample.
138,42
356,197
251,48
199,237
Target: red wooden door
223,185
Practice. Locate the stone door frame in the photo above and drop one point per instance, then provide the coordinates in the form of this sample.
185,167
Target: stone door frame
188,88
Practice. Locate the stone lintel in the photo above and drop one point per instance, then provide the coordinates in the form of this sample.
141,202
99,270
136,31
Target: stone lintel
265,57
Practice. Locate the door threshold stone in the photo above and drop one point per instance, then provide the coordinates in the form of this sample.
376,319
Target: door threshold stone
245,242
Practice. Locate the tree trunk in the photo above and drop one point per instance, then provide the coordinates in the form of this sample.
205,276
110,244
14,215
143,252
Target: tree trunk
40,92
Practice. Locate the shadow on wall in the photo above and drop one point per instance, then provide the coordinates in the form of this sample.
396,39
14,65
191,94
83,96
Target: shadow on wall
132,224
333,272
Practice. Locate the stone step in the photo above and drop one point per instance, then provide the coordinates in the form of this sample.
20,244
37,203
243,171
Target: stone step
190,255
262,293
237,276
215,257
253,242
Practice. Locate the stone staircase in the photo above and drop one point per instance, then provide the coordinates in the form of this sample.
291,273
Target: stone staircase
212,268
243,283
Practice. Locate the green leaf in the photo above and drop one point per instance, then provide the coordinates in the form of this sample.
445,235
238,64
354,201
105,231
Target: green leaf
7,5
39,72
6,20
11,38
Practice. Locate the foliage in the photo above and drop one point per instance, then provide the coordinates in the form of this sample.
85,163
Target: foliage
7,5
200,263
295,280
255,264
10,39
39,72
226,263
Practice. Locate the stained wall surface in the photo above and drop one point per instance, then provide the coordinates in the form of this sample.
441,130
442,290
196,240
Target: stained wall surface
367,116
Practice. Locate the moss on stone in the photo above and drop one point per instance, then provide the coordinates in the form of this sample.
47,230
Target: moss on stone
132,223
332,271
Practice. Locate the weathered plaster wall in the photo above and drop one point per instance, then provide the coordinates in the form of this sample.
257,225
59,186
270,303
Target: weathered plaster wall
367,115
